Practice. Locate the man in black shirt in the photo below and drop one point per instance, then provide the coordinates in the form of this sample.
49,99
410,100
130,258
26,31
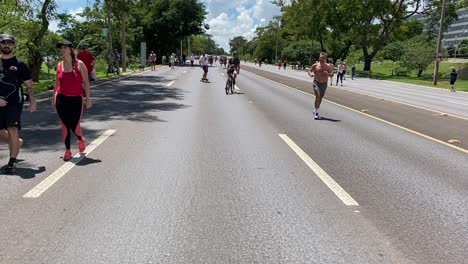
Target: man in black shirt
234,66
13,73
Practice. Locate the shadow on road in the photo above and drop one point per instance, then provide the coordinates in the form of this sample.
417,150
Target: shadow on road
25,173
88,161
136,98
322,118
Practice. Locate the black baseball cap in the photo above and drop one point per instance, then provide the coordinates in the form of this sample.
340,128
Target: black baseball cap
7,37
64,43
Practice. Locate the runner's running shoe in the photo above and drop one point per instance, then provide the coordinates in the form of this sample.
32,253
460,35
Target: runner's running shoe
81,145
11,167
68,155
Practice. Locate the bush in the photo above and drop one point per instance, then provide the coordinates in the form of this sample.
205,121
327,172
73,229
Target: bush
100,64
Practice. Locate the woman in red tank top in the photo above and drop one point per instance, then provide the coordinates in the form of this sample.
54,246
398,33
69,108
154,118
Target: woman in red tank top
67,100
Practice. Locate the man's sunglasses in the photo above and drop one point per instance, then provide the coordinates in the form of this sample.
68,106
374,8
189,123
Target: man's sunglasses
7,42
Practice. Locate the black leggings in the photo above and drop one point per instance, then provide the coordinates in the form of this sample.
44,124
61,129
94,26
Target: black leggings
339,76
70,111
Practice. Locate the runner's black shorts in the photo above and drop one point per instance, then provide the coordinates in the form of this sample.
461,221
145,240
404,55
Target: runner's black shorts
205,68
10,115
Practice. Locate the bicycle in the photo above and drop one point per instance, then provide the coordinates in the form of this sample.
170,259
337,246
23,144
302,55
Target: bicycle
230,84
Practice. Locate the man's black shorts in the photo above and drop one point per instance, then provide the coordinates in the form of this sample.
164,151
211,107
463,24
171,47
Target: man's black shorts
205,68
10,115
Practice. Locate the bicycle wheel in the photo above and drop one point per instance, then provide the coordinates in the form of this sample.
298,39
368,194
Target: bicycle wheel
232,86
228,84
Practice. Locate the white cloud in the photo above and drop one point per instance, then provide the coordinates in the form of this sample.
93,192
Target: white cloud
53,26
75,13
228,18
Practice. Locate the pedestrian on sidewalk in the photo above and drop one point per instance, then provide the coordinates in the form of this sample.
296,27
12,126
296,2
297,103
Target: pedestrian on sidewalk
344,71
284,65
152,59
88,59
13,73
453,79
172,61
353,72
279,65
339,76
67,100
320,72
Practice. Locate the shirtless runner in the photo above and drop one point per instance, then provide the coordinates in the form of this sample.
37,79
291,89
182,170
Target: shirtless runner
320,72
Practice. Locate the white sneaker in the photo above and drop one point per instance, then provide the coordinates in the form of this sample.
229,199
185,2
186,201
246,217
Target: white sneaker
316,115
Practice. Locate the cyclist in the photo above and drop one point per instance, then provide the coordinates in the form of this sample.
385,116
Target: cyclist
234,66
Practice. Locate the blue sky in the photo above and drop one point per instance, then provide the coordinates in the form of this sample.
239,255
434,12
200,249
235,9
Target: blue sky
227,18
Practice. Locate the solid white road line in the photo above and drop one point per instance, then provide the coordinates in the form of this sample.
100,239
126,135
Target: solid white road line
236,87
60,172
169,84
334,186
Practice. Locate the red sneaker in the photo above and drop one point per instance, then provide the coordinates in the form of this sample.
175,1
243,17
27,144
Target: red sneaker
81,145
68,155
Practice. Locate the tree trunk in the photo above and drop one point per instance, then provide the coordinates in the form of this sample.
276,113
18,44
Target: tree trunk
368,58
367,64
35,65
34,48
420,73
124,41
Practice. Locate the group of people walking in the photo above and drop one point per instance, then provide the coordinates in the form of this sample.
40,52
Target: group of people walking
71,94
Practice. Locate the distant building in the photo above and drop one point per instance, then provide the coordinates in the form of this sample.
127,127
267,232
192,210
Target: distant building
457,31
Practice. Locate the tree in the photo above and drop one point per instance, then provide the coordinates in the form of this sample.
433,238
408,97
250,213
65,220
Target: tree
326,22
49,50
268,38
419,53
12,12
394,51
238,44
36,29
167,22
301,52
203,44
375,21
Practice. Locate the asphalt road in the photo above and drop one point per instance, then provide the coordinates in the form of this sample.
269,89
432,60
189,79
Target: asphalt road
192,175
441,100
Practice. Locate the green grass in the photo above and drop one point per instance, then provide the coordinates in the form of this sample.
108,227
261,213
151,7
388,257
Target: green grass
383,71
46,78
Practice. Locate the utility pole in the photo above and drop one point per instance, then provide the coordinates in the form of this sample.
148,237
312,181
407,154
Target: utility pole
439,43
